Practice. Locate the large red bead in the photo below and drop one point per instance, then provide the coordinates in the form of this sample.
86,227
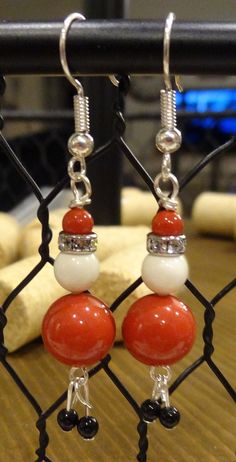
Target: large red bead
77,221
159,330
167,223
78,330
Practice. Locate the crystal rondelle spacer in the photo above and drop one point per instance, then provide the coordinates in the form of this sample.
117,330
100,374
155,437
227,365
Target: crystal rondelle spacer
166,245
77,243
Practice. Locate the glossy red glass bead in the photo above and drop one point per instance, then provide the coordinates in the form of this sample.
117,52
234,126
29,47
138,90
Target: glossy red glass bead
159,330
77,221
167,223
78,329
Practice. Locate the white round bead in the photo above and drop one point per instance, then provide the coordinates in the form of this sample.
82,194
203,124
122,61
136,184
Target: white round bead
164,275
76,273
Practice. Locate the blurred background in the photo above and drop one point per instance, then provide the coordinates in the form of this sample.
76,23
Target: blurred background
38,117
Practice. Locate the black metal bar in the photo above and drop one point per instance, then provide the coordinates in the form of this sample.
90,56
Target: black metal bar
118,46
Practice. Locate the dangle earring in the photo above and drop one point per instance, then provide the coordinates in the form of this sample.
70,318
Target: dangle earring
78,329
159,329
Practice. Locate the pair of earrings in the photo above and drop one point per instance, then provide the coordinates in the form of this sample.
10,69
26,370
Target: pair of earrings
159,329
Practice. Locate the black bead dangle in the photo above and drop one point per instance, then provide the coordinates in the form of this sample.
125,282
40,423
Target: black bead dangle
67,420
169,417
150,410
159,406
87,427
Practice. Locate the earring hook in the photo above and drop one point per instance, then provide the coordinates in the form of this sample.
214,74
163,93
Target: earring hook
166,54
62,47
166,50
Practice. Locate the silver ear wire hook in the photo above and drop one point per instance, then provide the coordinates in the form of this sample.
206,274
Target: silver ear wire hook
62,47
166,50
168,139
166,54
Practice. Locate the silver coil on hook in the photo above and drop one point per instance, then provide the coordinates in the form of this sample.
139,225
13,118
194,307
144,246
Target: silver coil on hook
81,143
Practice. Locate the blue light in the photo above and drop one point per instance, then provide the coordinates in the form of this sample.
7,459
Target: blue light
215,100
227,125
210,100
208,122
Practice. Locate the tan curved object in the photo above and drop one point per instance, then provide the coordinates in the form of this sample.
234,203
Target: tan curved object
31,235
26,312
215,213
139,207
9,239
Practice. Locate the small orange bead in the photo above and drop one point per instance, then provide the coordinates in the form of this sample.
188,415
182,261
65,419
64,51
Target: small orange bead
77,221
78,329
159,330
167,223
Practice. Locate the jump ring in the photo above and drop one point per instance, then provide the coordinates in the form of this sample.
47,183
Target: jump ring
161,194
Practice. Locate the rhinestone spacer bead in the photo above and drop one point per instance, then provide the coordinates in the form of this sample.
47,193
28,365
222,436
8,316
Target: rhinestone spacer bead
77,243
166,245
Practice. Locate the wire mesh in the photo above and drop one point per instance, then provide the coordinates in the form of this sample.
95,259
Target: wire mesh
44,258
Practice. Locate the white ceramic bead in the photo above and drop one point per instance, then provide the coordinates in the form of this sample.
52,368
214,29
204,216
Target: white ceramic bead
164,275
76,273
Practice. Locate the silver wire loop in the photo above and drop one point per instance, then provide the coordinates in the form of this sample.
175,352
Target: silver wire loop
167,200
79,176
81,201
158,375
166,167
71,172
160,387
62,47
78,389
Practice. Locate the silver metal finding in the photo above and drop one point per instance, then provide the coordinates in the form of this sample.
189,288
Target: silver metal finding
168,139
166,50
160,388
81,143
166,199
81,244
62,46
79,176
114,80
78,389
